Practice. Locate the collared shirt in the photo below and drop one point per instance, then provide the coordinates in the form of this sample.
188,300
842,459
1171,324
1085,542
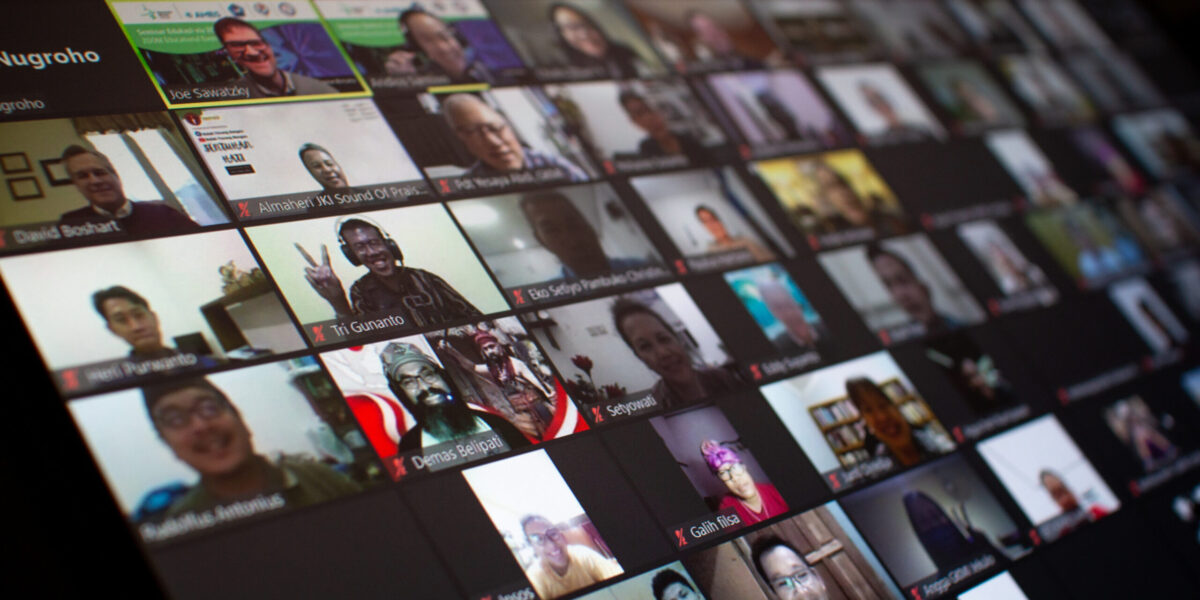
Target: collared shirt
534,160
125,210
294,84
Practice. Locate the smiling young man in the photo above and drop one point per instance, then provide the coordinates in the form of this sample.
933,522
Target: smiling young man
97,180
256,59
421,297
562,567
204,430
129,317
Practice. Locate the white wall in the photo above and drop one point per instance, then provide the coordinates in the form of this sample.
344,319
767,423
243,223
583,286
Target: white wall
524,484
843,84
673,199
353,132
499,229
1018,455
175,275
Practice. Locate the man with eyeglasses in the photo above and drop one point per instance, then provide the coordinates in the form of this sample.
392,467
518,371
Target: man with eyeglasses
786,572
490,138
753,501
421,297
562,568
204,430
261,73
441,412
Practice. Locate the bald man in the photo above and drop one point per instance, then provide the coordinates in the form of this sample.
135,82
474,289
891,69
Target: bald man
490,138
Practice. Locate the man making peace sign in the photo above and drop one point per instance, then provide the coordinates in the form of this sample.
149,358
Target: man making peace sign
421,297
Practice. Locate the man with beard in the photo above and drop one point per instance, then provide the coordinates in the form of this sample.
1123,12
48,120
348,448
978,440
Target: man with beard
254,56
441,413
529,397
421,297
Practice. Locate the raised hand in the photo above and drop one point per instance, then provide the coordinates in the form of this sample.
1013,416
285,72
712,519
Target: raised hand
323,280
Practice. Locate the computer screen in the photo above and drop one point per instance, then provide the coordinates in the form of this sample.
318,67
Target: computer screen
606,299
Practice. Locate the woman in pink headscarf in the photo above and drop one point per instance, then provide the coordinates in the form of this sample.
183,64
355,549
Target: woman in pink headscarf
753,501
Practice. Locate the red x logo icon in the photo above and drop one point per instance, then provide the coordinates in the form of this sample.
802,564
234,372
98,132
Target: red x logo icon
318,333
70,379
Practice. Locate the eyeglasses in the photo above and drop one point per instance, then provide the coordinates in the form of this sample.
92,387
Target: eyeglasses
496,129
539,539
789,582
177,418
426,374
727,474
240,46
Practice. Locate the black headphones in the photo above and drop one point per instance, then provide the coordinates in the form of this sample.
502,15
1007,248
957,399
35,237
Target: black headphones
348,252
410,43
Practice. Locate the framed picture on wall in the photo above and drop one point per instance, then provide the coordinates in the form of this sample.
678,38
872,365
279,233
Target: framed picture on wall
25,188
14,162
55,170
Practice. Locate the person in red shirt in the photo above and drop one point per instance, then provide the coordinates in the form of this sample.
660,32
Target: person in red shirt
752,500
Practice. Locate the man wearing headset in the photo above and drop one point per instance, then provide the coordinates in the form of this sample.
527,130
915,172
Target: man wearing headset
426,35
420,296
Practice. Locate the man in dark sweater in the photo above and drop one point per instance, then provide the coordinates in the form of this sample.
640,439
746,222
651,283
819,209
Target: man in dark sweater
94,176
